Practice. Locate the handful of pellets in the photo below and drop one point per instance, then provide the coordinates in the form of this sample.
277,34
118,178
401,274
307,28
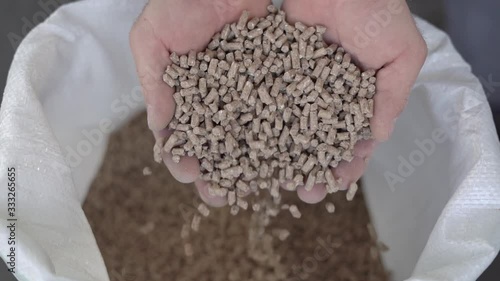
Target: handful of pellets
268,104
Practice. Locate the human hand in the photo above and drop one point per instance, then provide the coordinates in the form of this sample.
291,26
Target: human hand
179,26
379,34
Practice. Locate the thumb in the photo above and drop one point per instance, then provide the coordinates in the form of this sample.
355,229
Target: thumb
152,57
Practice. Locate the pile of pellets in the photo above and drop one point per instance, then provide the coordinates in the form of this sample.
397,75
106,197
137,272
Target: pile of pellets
268,104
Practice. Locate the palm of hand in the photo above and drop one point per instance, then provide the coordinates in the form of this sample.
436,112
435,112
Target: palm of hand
189,25
379,35
167,26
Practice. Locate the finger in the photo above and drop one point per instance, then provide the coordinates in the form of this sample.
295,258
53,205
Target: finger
352,171
186,171
151,58
394,83
315,195
162,134
212,200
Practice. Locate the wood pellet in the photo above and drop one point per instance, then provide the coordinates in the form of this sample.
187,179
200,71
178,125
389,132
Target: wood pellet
147,171
263,91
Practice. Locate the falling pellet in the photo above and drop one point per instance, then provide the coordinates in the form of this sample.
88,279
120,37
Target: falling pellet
195,223
353,187
294,211
147,171
330,207
203,209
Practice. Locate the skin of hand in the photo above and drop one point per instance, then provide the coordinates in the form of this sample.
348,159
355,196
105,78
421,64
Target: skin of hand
380,35
167,26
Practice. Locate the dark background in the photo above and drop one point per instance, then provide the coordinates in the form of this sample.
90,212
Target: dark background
15,13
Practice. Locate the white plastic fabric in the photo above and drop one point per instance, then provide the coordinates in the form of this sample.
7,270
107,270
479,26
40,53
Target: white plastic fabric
433,190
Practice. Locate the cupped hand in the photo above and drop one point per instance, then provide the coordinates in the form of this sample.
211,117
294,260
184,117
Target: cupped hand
379,34
167,26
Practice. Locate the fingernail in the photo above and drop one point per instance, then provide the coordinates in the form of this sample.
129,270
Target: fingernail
162,134
204,192
343,184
